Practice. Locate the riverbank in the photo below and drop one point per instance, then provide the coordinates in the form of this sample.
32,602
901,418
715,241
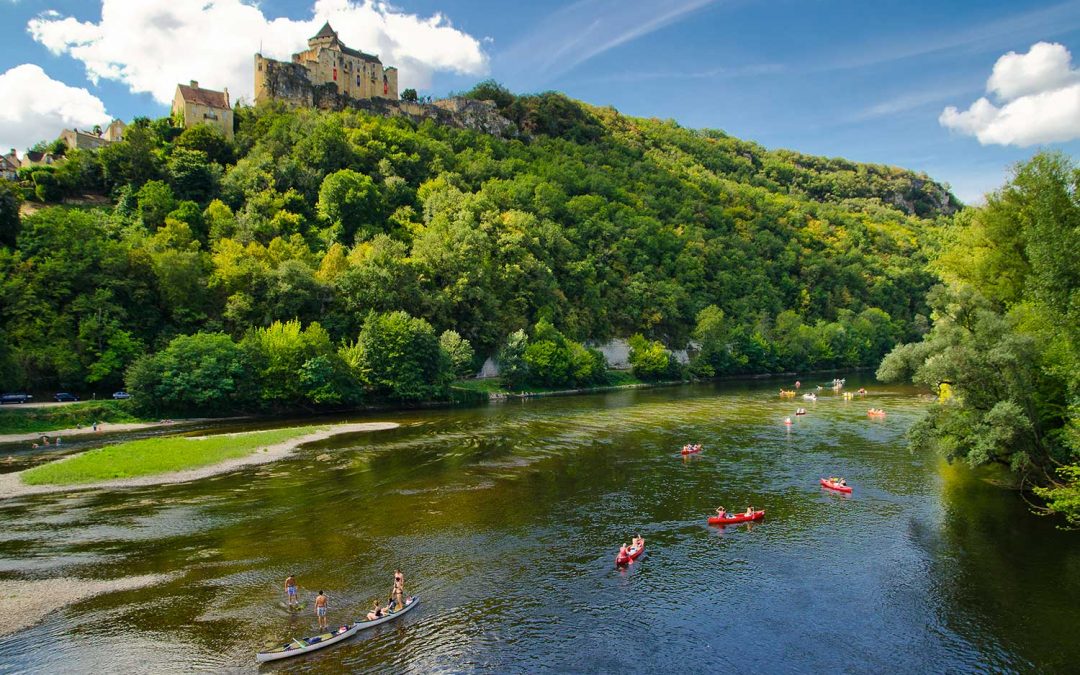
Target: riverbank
19,423
166,461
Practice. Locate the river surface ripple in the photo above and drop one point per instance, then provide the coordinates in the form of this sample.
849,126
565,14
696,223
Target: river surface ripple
506,519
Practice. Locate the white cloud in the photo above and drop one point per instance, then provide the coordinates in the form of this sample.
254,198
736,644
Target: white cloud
1038,97
35,107
151,45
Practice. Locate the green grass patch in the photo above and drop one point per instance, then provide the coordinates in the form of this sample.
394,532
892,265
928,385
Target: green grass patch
486,386
151,456
19,420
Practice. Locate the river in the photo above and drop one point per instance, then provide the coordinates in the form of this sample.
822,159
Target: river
506,519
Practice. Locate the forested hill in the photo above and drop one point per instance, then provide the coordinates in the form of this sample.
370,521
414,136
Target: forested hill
599,224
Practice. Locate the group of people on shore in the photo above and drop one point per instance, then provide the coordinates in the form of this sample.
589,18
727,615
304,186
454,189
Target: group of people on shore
396,601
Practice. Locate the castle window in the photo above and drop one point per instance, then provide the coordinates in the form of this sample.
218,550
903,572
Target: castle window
335,74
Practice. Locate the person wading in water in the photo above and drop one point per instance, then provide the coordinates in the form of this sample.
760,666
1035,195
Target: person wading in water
290,591
320,609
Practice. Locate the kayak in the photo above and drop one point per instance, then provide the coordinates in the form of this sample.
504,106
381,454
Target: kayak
737,518
835,486
691,451
632,554
316,642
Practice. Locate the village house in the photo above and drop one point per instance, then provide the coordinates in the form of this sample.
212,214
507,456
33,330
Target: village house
194,105
91,140
9,165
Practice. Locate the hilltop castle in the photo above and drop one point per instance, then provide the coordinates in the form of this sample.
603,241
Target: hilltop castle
326,62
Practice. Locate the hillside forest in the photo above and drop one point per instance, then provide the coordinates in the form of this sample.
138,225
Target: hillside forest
329,258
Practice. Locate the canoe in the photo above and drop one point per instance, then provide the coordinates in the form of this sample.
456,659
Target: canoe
737,518
810,397
316,642
632,554
691,451
310,644
409,604
833,486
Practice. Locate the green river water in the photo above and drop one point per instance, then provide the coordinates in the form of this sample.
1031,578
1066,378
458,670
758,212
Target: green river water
506,519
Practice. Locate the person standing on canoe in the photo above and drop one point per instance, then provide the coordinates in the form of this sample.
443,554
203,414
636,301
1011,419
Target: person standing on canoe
290,591
398,594
320,609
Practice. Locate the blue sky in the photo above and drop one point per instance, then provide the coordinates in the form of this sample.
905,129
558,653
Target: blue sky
862,80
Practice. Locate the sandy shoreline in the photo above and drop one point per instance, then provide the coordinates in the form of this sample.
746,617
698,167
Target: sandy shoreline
105,428
11,484
25,603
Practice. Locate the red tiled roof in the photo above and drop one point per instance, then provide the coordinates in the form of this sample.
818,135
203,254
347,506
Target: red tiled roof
207,97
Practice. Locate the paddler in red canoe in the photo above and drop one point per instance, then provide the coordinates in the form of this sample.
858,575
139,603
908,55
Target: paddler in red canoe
749,510
721,512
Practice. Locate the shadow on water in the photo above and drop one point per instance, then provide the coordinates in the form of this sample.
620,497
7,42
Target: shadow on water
506,519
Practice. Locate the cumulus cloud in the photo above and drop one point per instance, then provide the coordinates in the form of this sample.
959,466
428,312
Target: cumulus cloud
151,45
35,107
1038,95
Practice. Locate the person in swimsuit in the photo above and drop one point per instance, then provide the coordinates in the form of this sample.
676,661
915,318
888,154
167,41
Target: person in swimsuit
320,609
749,510
290,591
639,542
797,384
376,611
721,512
399,590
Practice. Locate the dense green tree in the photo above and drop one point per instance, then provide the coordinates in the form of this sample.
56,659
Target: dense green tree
398,356
513,369
193,176
650,360
10,224
209,140
409,95
204,372
155,200
349,201
460,353
278,353
1003,351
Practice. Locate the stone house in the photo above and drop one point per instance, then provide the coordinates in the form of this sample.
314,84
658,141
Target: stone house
36,158
327,61
86,140
9,165
195,105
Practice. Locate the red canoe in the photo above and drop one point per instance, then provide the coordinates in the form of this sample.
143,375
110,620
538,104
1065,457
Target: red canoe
737,518
632,554
833,486
690,451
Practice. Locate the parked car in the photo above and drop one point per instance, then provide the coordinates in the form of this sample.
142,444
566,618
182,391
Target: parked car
15,398
121,395
64,397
